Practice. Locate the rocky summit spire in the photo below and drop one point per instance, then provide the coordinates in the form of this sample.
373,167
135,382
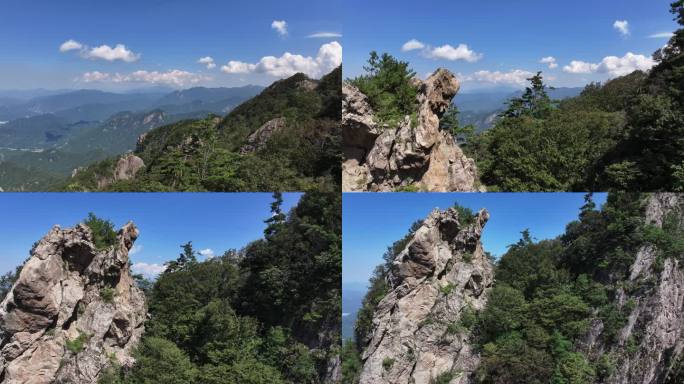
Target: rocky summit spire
437,282
415,153
74,310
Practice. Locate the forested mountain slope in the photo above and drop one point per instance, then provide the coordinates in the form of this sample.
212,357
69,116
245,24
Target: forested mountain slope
286,138
602,303
266,314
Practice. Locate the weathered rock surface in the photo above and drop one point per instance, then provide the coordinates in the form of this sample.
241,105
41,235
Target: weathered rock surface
258,139
655,327
441,273
73,311
381,158
127,167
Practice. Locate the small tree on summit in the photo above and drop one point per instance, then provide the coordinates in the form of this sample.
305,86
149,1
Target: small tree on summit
387,84
535,102
277,216
188,256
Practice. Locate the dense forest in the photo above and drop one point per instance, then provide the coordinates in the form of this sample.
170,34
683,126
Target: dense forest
624,134
549,293
269,313
208,155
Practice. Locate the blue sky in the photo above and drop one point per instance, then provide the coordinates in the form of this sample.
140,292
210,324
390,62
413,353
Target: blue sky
164,39
212,221
373,221
505,40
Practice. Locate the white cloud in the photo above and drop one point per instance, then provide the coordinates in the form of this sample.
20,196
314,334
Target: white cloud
238,67
70,45
119,52
612,65
447,52
329,57
513,77
412,45
136,249
280,26
208,61
103,52
661,35
324,35
578,66
622,26
208,253
550,60
148,270
173,77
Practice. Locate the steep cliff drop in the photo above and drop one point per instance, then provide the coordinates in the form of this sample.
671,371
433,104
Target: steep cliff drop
649,348
415,154
420,331
74,310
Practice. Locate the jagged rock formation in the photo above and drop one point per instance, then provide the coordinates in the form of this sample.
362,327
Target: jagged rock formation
655,329
258,139
381,158
441,273
74,310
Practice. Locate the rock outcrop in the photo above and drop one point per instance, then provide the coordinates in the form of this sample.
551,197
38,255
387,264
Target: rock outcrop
652,343
414,153
73,311
127,167
441,277
258,139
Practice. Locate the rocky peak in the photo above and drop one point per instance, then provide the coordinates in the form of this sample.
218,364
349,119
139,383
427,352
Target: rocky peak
412,153
73,311
439,278
258,139
649,346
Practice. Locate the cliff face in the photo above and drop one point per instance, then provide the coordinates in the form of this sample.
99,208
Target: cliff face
413,154
74,310
649,346
420,329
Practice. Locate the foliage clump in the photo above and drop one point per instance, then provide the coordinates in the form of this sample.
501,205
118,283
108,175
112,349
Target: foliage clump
387,84
104,235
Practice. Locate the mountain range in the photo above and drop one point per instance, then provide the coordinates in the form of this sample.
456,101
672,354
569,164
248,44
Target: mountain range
49,134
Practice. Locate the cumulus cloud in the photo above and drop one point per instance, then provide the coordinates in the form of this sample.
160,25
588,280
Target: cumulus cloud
70,45
208,61
329,56
173,77
148,270
280,26
447,52
612,65
119,52
324,35
550,60
444,52
412,45
513,77
621,26
103,52
238,67
208,253
661,35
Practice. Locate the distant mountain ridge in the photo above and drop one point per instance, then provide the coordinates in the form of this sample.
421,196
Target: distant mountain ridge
52,134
